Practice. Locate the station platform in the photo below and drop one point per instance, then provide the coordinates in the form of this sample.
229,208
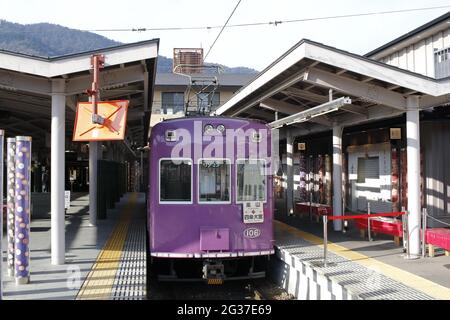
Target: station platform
356,269
107,261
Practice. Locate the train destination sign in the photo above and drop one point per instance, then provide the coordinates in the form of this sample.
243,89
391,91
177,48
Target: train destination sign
253,212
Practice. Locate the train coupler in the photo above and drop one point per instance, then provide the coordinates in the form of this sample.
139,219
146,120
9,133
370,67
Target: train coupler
213,272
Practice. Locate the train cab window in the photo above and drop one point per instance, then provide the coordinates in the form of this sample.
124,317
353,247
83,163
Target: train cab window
251,180
214,180
175,180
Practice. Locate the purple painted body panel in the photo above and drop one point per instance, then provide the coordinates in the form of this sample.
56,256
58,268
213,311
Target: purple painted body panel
214,239
201,228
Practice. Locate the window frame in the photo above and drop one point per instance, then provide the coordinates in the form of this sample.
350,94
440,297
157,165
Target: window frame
377,157
173,93
159,181
236,184
198,182
210,96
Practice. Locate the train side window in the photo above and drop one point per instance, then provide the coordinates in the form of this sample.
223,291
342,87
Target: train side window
250,180
214,180
175,180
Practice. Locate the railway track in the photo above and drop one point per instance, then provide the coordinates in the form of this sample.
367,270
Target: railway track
261,289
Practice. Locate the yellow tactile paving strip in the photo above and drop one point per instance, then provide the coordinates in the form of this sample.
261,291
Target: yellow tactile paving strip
407,278
100,280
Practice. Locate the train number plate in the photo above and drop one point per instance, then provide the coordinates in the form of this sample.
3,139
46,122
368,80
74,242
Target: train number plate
253,212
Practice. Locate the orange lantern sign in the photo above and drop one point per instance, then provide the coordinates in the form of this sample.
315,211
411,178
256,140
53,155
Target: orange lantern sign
114,114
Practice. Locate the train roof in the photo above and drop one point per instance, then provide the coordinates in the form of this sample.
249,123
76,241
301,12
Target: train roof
202,118
199,117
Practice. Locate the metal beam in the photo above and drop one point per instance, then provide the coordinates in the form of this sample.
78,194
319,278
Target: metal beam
284,84
429,101
109,79
307,95
14,81
356,110
290,109
368,92
306,115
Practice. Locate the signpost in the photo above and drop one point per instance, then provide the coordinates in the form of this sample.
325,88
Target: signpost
67,199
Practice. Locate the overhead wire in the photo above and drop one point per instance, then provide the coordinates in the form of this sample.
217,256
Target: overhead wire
221,30
261,23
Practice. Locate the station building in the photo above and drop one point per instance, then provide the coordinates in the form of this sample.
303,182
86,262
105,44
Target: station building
358,130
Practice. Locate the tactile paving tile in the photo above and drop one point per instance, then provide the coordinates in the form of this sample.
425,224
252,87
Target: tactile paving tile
130,281
360,280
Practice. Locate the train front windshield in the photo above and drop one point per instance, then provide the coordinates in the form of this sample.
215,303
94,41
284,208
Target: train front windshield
251,180
214,180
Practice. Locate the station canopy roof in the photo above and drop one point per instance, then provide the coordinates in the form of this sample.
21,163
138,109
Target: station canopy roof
311,74
26,88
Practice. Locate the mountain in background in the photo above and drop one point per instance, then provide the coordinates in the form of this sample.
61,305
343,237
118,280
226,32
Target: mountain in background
50,40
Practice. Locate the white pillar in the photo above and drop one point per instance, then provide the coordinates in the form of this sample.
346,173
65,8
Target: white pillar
337,176
2,141
290,173
93,158
413,173
58,242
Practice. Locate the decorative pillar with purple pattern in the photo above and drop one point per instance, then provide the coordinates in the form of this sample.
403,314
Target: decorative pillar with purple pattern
10,186
22,210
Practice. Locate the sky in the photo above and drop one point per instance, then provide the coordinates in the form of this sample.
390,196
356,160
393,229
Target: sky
254,47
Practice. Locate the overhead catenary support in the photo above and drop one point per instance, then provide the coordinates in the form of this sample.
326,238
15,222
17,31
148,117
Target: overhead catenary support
413,174
337,176
290,172
57,171
317,111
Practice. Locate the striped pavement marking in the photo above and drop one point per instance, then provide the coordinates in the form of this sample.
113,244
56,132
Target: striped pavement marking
100,280
407,278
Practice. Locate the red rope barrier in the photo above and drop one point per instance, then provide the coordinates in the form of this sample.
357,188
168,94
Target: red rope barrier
366,216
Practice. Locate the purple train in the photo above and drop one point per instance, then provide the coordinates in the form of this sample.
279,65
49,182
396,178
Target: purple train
210,205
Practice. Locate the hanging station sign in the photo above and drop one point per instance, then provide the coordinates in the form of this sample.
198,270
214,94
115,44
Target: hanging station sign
396,133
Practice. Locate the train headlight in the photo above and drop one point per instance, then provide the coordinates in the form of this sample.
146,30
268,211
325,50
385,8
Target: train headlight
171,135
208,128
221,128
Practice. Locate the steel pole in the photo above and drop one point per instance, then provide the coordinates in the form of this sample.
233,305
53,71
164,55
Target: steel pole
325,240
58,133
424,231
10,185
413,174
369,235
337,176
2,141
22,210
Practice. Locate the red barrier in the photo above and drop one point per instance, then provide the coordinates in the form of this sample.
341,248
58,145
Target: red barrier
367,216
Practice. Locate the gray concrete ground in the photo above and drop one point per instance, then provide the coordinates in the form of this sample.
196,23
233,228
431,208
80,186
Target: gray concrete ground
382,248
83,243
